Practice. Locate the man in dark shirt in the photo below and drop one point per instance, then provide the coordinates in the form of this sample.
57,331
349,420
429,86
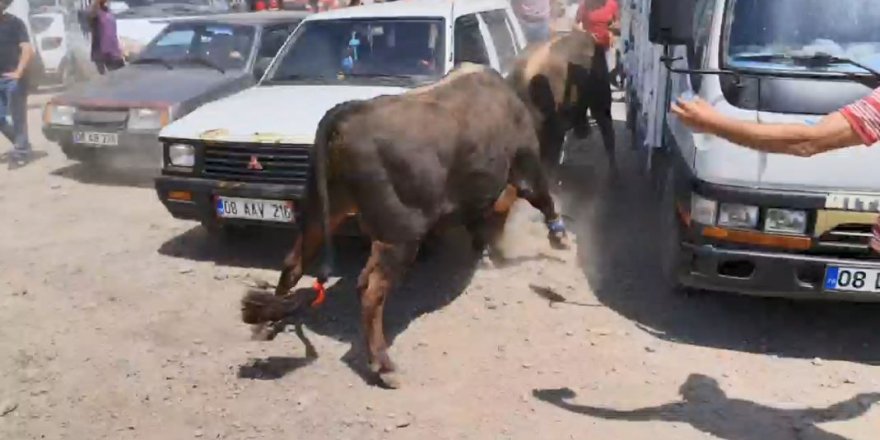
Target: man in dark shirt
15,54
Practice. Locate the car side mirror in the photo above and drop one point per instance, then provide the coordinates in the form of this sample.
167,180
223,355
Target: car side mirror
261,66
672,22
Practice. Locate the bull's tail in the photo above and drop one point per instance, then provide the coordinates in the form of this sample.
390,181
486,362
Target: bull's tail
259,306
321,160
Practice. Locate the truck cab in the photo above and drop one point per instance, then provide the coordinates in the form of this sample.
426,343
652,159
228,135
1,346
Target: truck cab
245,159
757,223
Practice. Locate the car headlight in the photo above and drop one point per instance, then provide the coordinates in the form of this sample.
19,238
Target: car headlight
182,155
734,215
146,119
786,221
60,114
703,210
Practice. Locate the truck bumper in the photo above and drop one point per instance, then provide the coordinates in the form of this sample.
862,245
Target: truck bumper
761,273
201,193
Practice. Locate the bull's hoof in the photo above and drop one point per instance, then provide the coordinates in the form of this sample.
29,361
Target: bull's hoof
262,332
390,380
557,235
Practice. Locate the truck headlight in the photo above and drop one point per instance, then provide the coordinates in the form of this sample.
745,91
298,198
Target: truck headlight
59,114
147,118
703,210
734,215
786,221
182,155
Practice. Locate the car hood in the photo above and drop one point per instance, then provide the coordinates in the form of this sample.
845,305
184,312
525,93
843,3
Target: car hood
148,84
848,169
272,114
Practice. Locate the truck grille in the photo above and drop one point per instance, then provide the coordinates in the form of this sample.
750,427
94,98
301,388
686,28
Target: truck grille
848,239
102,119
257,163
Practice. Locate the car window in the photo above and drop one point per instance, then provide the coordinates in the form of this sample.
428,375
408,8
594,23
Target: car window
273,38
469,44
338,50
496,22
224,45
40,23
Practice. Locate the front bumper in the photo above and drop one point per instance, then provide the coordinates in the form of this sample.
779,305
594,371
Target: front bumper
764,273
143,147
202,208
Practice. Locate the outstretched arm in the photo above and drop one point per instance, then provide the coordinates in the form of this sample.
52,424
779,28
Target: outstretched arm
833,132
669,412
846,410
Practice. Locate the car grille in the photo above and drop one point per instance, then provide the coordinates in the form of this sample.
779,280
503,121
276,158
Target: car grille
849,239
101,119
277,163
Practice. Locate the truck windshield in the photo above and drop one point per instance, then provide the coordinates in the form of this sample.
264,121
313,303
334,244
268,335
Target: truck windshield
405,52
774,34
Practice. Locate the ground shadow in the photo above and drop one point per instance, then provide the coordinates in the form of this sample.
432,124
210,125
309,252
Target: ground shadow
99,174
271,368
707,408
262,248
619,229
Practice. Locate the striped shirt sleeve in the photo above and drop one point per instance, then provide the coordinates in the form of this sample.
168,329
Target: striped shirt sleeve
864,117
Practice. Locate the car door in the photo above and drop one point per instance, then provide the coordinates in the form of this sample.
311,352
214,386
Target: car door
502,38
470,42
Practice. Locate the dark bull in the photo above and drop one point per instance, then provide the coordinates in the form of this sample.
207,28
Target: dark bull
560,80
462,149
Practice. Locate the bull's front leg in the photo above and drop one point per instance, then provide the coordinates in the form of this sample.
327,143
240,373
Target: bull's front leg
530,181
384,270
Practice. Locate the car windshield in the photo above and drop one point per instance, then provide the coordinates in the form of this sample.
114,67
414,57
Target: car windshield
40,23
407,52
211,45
803,28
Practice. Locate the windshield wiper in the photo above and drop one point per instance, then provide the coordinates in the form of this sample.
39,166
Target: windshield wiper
818,59
149,60
205,62
378,75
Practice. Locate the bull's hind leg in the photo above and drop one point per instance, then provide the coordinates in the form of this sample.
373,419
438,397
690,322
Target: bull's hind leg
383,271
307,246
529,179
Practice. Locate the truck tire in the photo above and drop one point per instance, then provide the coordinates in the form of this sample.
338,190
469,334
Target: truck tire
671,233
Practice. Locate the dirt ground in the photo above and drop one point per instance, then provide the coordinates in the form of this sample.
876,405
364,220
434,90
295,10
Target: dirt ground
119,322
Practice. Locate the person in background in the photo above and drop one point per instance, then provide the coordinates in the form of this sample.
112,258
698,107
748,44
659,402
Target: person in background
600,18
354,3
15,55
854,124
534,17
106,53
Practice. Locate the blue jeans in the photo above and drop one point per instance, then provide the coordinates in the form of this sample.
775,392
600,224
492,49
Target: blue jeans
13,102
536,31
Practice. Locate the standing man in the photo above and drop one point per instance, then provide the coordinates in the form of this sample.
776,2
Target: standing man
534,17
855,124
15,55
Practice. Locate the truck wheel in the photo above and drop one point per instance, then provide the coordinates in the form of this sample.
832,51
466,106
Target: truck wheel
671,233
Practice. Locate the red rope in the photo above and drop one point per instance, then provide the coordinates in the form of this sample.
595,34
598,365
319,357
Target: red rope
322,294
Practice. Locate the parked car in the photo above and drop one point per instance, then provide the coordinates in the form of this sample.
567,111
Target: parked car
50,34
190,63
139,21
245,159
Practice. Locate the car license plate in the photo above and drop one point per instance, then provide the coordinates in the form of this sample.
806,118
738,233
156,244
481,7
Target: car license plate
254,209
95,138
847,279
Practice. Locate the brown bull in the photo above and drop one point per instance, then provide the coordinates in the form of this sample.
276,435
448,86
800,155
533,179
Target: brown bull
461,149
560,80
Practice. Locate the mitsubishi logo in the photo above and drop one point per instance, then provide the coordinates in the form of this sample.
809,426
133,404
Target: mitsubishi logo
254,164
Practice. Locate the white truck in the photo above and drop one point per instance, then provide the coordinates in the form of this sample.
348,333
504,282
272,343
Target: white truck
745,221
244,159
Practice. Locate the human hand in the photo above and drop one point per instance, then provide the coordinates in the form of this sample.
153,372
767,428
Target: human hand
12,75
696,114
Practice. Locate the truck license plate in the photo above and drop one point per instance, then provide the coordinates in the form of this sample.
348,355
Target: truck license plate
852,280
95,138
254,209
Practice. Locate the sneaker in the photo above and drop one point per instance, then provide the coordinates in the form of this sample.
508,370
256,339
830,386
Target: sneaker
17,161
